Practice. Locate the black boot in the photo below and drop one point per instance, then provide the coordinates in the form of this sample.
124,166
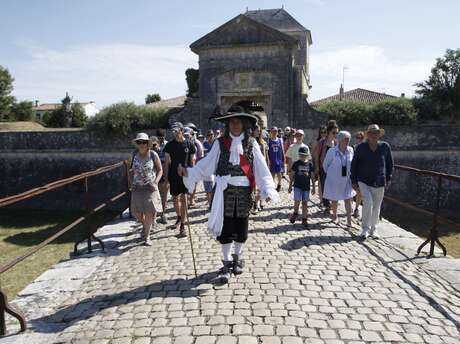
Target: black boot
225,272
238,265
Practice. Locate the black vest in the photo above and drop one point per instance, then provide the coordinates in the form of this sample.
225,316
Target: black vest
224,167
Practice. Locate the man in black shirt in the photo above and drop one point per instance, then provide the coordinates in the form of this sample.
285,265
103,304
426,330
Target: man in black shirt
178,151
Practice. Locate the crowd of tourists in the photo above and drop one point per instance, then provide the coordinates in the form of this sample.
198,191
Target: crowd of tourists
242,168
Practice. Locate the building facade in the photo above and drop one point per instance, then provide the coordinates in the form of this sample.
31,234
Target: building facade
258,60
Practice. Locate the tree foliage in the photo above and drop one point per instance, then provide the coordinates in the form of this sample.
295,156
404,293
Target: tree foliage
397,111
61,118
22,111
439,95
124,118
192,77
6,99
152,98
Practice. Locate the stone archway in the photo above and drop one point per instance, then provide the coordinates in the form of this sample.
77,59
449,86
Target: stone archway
259,105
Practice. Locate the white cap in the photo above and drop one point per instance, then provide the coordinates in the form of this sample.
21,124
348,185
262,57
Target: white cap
299,131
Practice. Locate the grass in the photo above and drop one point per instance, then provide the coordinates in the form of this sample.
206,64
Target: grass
22,230
420,224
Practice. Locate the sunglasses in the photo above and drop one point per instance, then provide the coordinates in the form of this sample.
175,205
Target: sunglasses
141,142
359,137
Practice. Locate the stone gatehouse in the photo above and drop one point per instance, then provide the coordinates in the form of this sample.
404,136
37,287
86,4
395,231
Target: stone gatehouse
258,60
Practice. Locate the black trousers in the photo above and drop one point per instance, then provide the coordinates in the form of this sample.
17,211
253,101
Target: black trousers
234,229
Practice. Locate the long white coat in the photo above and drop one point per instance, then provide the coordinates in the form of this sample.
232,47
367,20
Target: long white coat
337,187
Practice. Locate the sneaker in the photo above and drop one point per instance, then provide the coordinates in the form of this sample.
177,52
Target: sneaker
375,235
162,219
147,243
293,217
364,235
182,232
305,223
356,213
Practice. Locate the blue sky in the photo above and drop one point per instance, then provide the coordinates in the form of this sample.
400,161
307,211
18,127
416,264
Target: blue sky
110,51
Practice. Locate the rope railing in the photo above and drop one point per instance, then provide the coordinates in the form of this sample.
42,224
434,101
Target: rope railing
5,307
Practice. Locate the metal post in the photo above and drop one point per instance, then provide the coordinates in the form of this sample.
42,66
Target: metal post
6,308
434,233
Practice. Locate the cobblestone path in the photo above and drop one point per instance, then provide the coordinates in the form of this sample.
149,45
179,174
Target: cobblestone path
319,285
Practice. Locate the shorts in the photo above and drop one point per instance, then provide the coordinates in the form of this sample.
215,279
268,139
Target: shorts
208,185
276,168
301,195
176,186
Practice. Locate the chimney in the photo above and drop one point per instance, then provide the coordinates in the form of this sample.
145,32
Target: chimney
341,92
403,95
36,103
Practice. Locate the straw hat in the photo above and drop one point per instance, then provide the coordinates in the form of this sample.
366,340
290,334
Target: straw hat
375,127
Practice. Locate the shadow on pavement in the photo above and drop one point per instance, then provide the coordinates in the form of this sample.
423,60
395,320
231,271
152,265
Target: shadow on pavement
299,243
91,306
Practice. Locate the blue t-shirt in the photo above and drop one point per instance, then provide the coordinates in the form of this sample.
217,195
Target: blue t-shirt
207,147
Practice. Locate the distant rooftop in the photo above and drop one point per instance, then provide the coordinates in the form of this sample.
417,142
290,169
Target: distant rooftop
360,95
169,103
54,106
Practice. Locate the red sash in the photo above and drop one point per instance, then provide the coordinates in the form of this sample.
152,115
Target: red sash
244,163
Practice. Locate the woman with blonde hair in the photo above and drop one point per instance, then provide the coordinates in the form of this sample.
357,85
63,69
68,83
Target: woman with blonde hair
144,176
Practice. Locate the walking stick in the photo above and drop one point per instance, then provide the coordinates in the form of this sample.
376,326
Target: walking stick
190,236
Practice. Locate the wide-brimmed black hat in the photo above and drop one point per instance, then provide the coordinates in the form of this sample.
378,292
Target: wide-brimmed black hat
228,115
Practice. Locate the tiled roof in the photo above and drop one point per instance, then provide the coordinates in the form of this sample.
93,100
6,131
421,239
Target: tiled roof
169,103
357,95
54,106
277,18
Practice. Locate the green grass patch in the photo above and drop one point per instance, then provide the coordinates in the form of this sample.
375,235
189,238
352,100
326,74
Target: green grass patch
420,224
21,230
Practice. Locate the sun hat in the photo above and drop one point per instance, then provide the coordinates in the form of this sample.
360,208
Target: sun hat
141,137
274,129
375,127
287,129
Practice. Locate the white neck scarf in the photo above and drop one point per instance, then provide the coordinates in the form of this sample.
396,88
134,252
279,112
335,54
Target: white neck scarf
236,149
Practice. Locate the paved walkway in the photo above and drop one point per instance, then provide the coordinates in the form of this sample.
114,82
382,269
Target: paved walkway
301,286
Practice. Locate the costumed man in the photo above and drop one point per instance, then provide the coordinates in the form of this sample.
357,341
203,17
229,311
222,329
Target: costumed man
238,164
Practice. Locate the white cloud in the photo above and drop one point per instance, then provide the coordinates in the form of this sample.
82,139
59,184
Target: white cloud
368,67
103,73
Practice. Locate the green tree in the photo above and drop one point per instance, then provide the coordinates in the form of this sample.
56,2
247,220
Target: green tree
22,111
440,93
79,117
192,77
6,99
152,98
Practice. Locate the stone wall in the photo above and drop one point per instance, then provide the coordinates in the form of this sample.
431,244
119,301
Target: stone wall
31,159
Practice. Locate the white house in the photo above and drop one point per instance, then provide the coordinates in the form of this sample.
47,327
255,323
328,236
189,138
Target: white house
40,109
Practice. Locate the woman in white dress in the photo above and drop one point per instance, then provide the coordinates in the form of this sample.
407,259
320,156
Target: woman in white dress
337,165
